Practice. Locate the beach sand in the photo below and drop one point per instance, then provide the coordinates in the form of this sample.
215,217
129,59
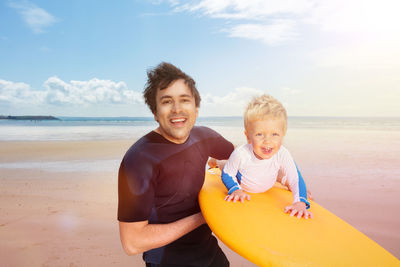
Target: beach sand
67,217
63,218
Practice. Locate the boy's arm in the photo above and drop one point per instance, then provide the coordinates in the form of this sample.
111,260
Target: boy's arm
302,189
294,180
309,195
229,173
290,176
230,182
300,208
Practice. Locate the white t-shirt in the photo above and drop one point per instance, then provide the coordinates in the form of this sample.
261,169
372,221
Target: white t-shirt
244,171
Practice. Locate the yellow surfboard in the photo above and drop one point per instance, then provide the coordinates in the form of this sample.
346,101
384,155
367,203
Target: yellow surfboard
261,232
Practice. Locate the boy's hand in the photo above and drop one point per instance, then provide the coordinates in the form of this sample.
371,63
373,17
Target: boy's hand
299,208
238,195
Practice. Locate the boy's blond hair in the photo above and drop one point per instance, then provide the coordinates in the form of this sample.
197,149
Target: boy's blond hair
265,107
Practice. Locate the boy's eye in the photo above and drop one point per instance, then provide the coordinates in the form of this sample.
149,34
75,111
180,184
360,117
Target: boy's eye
275,134
259,134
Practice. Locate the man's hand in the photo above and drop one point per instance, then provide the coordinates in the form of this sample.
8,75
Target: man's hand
299,208
212,163
238,195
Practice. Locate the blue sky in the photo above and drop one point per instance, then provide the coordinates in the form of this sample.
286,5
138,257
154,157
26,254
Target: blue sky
89,58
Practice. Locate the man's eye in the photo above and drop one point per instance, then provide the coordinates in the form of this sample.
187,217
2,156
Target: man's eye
165,102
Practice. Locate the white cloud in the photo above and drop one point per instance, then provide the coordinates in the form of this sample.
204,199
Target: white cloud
244,9
235,103
289,91
371,56
278,21
57,92
35,17
272,22
356,16
232,104
94,91
371,35
270,34
11,92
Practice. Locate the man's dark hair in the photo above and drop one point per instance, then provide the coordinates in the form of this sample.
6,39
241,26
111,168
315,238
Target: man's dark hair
161,77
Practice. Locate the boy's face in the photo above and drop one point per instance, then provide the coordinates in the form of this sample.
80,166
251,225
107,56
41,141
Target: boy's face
266,136
176,112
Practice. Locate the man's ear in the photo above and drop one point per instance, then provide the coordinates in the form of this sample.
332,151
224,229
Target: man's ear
155,117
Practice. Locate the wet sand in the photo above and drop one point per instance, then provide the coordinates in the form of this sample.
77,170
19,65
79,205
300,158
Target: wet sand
67,217
63,218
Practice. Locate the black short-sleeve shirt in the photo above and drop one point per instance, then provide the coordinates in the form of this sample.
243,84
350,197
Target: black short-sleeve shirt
159,181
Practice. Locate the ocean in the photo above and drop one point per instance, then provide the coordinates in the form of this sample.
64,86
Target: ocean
113,128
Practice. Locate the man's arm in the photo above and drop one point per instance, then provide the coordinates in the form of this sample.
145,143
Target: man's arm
137,237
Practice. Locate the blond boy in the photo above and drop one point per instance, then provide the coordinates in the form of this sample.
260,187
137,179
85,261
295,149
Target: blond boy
257,165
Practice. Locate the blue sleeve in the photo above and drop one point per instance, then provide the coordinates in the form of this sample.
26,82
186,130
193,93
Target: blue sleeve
302,189
229,182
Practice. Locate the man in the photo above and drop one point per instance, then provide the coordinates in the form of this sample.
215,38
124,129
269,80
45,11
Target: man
161,175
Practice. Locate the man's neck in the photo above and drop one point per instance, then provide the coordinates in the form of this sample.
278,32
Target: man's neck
175,141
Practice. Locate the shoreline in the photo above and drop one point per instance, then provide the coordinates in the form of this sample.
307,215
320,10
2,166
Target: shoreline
62,218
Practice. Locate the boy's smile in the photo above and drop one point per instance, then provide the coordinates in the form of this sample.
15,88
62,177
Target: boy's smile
266,150
266,136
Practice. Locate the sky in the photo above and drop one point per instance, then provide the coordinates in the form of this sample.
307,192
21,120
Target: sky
89,58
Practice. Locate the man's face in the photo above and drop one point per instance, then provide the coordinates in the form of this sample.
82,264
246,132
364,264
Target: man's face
176,112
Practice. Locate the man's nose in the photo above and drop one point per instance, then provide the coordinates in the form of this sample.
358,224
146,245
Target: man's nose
176,107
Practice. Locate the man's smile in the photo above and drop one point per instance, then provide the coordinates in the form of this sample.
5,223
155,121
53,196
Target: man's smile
178,121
